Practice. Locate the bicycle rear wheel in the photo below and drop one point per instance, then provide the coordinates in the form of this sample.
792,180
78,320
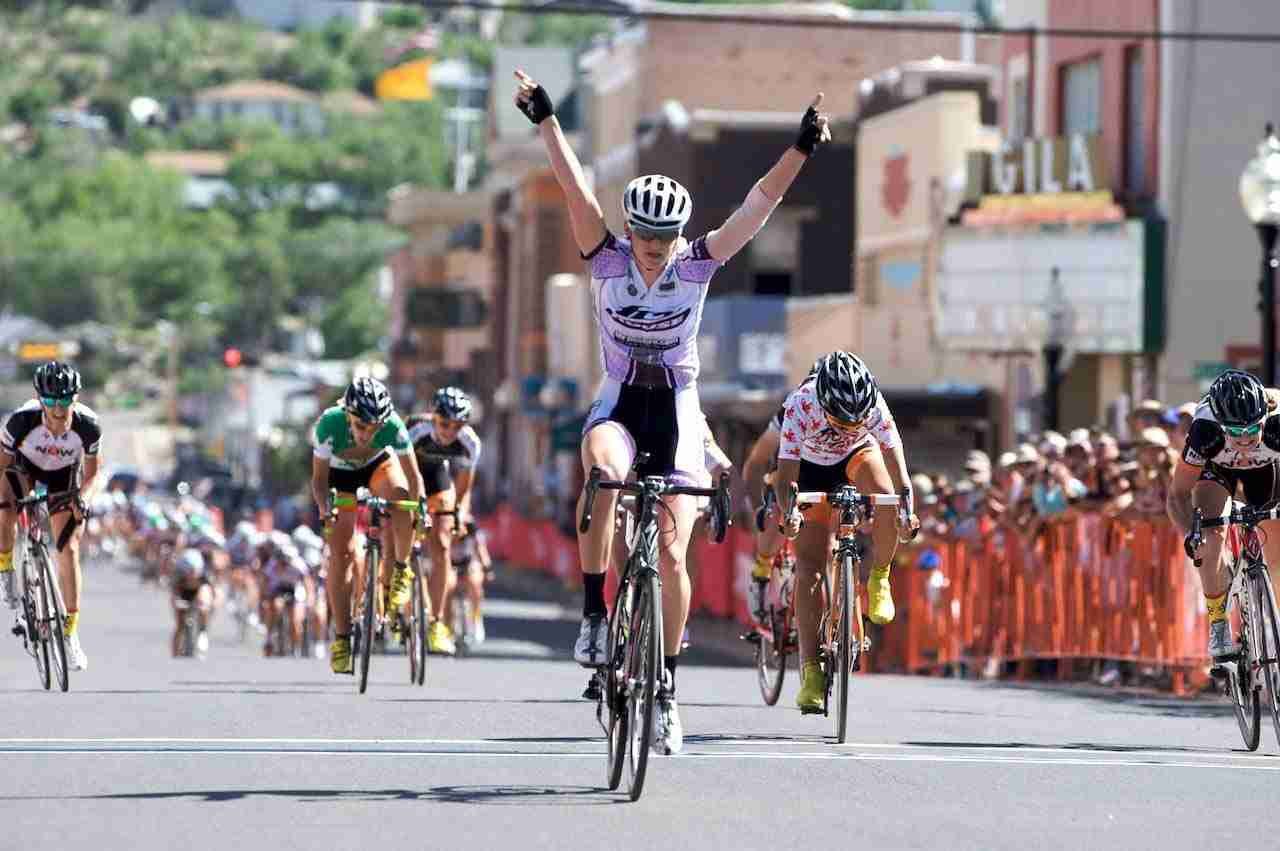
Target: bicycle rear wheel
53,632
371,570
771,656
1241,682
844,653
644,667
615,678
1267,636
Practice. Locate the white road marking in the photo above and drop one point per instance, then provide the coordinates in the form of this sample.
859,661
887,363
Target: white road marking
500,749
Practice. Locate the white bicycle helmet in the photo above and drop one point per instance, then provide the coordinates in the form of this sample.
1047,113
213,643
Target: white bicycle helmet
190,563
656,202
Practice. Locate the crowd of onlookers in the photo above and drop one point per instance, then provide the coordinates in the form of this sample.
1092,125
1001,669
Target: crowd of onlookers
1052,476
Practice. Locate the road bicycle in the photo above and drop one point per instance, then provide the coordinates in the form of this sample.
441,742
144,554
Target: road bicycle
842,638
1253,670
626,685
42,613
368,617
775,638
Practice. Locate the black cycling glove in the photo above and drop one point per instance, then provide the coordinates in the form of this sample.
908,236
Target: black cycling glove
538,107
810,133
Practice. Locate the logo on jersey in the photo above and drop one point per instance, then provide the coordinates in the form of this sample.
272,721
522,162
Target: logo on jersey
638,318
55,452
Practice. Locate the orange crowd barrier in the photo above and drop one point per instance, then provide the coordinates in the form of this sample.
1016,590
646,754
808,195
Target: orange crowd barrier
1085,588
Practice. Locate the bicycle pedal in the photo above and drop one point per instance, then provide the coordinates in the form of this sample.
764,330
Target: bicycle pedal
1220,672
593,691
750,637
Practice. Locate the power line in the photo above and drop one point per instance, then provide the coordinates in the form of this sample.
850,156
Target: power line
621,10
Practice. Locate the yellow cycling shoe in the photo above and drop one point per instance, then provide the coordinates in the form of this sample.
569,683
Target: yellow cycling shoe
440,640
813,688
340,655
401,586
880,596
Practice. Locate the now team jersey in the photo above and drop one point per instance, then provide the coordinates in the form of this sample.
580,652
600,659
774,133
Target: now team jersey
463,453
653,326
806,435
1208,443
332,440
24,435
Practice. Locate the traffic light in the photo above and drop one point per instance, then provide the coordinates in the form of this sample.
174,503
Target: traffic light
232,357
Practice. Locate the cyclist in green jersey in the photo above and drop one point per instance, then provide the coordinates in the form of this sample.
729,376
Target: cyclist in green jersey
354,443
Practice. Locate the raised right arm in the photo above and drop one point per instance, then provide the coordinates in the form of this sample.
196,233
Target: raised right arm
585,215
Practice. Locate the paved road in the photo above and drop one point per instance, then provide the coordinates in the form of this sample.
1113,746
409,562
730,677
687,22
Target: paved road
240,752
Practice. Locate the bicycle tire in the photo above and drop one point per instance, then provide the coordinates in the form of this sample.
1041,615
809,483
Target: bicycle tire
418,633
1269,644
645,667
771,657
612,692
844,656
54,633
373,565
1245,700
34,617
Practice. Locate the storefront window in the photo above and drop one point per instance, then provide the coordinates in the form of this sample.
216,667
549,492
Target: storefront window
1082,97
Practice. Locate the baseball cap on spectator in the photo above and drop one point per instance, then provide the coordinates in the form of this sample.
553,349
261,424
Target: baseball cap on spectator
1187,409
1169,418
1026,454
1108,448
1052,444
978,465
1007,459
964,486
1079,438
1154,437
1147,409
922,488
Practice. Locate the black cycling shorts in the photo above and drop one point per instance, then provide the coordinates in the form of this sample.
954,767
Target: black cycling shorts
350,481
1258,483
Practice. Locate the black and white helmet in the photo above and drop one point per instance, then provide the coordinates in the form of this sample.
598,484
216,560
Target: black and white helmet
368,399
452,403
1237,398
656,202
846,388
56,379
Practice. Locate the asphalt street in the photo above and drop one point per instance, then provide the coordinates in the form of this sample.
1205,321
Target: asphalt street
239,752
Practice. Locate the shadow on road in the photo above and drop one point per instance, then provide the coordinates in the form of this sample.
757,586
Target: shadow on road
1144,703
479,794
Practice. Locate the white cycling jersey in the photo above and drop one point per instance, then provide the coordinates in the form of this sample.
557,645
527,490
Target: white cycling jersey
655,326
807,436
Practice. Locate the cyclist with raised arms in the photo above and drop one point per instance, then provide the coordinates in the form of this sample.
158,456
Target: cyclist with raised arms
1234,441
52,440
649,285
361,442
838,430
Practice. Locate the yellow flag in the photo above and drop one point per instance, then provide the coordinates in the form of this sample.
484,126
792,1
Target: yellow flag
405,82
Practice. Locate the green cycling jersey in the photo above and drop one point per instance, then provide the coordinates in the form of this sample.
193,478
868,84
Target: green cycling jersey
332,440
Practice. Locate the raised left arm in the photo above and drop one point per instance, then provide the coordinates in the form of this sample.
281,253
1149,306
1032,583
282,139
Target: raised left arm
746,221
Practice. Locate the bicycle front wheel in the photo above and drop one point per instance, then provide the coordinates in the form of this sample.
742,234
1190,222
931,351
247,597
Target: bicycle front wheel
771,656
52,629
33,605
1242,685
1267,636
418,632
371,570
644,667
844,655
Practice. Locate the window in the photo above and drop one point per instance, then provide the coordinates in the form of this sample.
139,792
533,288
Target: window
1135,149
1017,109
775,253
1082,97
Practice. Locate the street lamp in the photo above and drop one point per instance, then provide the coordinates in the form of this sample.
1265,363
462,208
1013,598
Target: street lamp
1060,320
1260,195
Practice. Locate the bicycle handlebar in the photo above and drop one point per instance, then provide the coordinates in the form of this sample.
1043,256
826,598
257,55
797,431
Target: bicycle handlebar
378,505
846,498
659,486
1241,514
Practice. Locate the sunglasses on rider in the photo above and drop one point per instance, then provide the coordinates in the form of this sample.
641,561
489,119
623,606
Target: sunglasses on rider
1243,431
664,236
58,401
840,425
